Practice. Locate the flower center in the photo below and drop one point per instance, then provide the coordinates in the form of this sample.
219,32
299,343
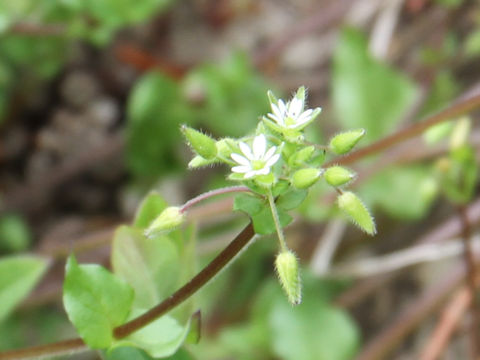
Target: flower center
258,164
289,121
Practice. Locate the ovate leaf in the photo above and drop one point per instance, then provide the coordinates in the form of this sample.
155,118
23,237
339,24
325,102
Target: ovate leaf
366,93
96,302
150,266
18,276
161,338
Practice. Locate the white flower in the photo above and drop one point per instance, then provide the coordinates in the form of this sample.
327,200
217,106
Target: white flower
256,160
291,115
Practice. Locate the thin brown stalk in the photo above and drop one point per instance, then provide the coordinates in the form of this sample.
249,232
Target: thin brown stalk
447,324
469,259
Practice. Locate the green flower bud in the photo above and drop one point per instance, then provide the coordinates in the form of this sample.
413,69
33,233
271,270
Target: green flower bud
338,175
300,157
354,207
344,142
202,144
286,265
305,178
168,220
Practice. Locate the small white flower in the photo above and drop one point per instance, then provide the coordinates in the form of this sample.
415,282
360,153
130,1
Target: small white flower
256,160
291,115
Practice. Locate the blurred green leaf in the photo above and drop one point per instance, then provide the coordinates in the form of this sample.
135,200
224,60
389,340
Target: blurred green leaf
291,199
14,234
18,276
444,89
366,93
155,112
161,338
150,266
472,44
235,95
96,302
152,205
127,353
403,192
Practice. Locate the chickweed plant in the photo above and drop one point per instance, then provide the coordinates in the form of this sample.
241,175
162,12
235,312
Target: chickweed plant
144,303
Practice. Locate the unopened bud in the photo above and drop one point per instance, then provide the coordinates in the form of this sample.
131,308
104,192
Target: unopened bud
202,144
305,178
354,207
300,157
168,220
338,175
344,142
286,265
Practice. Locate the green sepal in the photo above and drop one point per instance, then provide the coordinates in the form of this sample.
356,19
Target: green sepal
202,144
357,211
338,175
304,178
198,162
344,142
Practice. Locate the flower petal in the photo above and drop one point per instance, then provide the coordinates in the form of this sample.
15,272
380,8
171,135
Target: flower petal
269,153
259,146
240,159
246,150
263,171
272,160
241,169
250,174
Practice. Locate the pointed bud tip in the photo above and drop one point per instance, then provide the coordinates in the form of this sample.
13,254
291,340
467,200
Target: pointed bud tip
344,142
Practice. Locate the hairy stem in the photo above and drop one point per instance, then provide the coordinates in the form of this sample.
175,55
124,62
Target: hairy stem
276,220
209,194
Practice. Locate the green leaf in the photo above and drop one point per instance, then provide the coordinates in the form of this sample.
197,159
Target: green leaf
150,266
127,353
14,233
155,111
234,95
18,276
264,224
161,338
366,93
403,192
96,302
249,204
152,205
291,199
311,331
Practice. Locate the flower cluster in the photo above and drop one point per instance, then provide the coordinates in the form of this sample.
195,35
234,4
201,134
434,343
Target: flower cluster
278,166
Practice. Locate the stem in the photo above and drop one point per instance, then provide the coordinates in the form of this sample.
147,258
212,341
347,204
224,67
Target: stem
182,294
209,194
276,220
458,108
470,266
